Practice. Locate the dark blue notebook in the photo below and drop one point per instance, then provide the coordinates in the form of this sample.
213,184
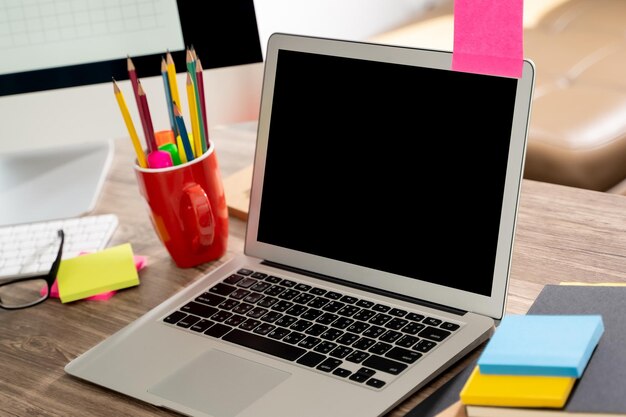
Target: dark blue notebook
601,387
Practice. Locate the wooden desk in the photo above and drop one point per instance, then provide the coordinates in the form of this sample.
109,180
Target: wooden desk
563,234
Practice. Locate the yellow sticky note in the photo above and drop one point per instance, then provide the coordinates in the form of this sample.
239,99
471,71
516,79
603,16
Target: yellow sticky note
86,275
516,390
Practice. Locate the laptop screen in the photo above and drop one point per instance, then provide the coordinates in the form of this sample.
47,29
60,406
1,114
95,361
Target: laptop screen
380,166
393,167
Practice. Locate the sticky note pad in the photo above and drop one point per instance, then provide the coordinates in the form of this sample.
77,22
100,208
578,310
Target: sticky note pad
488,37
108,270
549,345
516,391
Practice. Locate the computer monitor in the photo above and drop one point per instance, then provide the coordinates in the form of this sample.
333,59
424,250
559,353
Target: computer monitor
59,113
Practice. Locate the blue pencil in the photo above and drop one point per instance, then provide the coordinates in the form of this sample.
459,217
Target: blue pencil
168,96
184,137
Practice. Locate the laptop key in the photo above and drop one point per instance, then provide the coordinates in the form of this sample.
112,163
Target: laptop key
174,317
403,355
433,333
217,330
222,289
201,326
188,321
264,344
198,309
245,271
357,356
329,364
311,359
449,326
233,279
385,365
341,372
210,299
376,383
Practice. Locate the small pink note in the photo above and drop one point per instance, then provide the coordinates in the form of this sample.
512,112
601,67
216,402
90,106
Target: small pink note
140,262
488,37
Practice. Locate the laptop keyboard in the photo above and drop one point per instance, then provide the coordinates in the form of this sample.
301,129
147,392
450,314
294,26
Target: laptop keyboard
334,333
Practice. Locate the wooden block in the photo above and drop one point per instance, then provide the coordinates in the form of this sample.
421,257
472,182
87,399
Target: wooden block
237,190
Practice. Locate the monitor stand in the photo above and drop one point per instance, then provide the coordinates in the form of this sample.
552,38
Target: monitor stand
52,184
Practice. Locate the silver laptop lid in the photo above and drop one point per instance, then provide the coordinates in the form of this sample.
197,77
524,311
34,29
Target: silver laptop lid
380,166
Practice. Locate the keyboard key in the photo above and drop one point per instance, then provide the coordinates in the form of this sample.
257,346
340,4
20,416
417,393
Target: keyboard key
381,308
397,312
341,372
357,356
273,280
365,304
201,326
329,364
264,344
385,365
311,359
259,275
210,299
333,295
403,355
222,289
244,271
433,333
188,321
376,383
414,317
218,330
424,346
233,279
174,317
198,309
432,321
449,326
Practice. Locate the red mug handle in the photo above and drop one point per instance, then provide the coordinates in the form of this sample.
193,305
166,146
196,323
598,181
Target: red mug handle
198,218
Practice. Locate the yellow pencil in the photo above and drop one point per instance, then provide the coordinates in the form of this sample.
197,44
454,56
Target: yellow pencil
141,157
193,113
171,76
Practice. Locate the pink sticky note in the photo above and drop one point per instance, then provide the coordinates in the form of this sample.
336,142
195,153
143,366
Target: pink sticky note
140,262
488,37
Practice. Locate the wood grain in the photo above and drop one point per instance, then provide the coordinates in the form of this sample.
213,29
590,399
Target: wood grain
563,234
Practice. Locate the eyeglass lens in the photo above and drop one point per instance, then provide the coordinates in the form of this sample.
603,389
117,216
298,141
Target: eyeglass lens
23,293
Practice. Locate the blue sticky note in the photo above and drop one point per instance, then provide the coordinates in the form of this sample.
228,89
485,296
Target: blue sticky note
548,345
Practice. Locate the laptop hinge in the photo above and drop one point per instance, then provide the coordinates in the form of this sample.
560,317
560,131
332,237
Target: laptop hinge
367,288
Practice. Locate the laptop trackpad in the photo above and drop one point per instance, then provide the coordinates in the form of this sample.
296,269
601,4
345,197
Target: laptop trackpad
218,383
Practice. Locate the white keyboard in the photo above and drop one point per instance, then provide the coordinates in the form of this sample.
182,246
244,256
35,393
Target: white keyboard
30,249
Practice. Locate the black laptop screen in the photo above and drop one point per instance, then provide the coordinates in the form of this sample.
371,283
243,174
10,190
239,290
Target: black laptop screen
393,167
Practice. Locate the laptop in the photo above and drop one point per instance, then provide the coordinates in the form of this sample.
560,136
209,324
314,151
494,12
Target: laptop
378,245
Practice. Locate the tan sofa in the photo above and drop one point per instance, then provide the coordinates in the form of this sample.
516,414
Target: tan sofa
577,133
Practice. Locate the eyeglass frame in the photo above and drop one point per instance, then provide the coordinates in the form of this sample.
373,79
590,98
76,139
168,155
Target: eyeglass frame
49,278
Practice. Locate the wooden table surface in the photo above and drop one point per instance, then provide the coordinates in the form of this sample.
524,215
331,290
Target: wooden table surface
563,234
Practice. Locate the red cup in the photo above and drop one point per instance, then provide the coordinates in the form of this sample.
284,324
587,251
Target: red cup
188,208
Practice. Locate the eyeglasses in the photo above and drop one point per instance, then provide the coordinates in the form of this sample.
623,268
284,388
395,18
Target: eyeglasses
29,291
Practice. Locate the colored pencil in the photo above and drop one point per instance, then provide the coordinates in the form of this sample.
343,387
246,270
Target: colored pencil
132,74
200,79
168,96
141,157
150,139
191,68
193,115
183,133
171,75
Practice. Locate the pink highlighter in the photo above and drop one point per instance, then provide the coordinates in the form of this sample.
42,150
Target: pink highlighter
159,159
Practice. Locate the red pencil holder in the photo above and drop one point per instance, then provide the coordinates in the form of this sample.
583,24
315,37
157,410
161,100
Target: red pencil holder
188,208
